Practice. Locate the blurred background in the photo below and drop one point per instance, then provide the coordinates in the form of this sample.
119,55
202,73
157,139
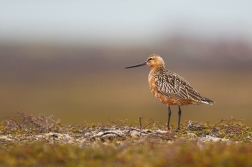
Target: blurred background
67,58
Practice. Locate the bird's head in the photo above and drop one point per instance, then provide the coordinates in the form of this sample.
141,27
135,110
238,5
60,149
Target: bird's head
153,61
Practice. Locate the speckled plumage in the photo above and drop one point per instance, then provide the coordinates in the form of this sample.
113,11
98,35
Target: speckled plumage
170,88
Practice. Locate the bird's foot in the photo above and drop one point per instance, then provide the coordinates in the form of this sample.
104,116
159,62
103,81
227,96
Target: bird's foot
178,128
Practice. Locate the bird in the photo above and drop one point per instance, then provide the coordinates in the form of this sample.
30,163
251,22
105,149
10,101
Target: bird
170,88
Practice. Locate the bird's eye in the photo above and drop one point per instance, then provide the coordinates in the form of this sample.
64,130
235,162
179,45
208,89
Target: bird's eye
150,59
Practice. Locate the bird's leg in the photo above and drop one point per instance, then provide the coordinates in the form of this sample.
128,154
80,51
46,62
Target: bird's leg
169,117
179,116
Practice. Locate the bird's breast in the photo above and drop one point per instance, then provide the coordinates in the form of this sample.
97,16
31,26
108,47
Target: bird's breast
154,90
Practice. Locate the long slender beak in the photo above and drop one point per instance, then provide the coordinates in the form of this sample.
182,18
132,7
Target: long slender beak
138,65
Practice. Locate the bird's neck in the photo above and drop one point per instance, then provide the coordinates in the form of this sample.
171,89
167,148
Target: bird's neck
157,67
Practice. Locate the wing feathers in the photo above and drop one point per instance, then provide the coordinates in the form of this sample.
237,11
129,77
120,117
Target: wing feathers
174,86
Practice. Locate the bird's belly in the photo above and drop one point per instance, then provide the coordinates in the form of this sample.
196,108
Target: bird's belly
164,99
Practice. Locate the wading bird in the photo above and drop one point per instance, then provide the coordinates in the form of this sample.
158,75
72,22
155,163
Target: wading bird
170,88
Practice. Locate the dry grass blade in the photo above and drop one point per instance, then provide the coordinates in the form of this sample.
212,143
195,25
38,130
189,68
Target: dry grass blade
228,120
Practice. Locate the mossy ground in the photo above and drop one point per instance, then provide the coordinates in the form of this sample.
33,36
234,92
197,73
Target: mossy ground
43,141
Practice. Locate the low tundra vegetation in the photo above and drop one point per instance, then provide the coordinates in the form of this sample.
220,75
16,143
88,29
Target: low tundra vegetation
44,141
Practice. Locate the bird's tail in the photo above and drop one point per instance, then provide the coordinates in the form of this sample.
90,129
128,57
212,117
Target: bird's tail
207,101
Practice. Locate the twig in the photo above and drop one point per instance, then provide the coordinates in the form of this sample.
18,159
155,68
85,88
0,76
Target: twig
113,122
30,119
140,121
12,122
228,119
149,123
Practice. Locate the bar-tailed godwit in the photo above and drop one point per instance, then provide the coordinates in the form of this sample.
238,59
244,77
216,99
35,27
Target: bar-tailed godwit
170,88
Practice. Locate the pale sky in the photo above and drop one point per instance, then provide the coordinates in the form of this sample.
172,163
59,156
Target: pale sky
122,22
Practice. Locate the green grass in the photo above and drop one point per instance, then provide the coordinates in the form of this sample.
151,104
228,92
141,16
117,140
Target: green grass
44,141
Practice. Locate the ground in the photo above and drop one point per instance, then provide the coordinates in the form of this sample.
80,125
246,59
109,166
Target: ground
44,141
